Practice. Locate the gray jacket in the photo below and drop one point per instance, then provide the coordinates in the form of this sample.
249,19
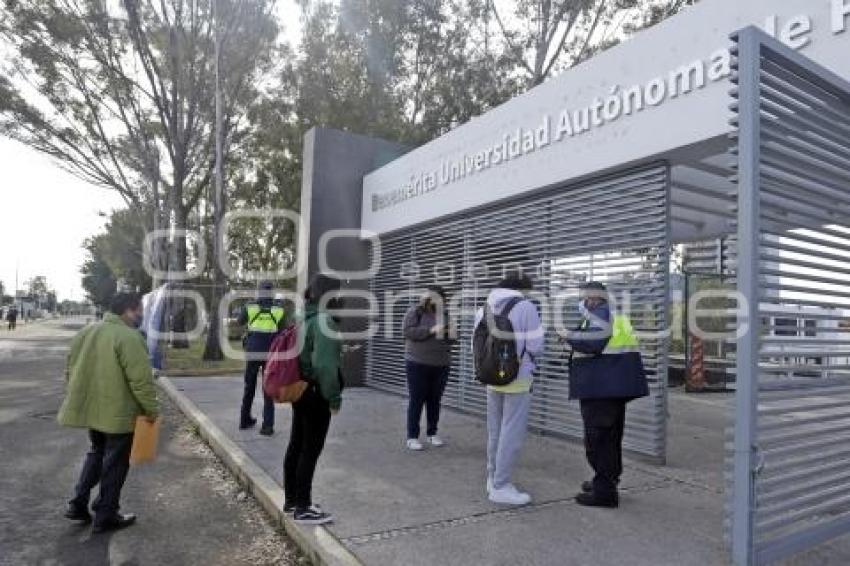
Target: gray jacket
420,345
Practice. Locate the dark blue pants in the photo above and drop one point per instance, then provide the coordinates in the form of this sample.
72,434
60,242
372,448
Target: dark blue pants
107,463
604,423
425,384
252,369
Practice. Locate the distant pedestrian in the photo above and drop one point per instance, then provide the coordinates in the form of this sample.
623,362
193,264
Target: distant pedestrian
109,383
12,318
428,357
508,405
606,372
263,319
311,414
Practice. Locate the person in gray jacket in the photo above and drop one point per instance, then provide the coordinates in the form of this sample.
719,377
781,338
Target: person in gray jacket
428,357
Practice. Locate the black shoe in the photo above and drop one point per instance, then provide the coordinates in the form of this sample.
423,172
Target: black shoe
586,486
592,500
114,523
250,423
266,430
288,508
77,513
312,516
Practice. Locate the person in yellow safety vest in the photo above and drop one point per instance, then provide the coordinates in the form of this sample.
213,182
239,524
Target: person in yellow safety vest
263,319
606,372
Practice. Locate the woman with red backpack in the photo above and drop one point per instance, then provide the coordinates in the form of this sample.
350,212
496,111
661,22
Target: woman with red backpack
311,413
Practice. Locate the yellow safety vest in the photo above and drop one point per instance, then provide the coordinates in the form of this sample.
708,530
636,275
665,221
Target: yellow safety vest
259,321
622,338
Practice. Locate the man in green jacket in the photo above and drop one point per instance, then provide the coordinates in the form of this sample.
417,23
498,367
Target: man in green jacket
109,382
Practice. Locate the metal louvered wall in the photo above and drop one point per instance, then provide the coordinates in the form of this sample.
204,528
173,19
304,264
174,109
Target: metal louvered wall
792,439
614,230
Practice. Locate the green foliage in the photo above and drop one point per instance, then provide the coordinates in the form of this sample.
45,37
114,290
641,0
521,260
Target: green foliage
98,281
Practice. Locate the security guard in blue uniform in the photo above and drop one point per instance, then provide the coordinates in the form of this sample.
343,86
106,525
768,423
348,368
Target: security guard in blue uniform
606,372
263,319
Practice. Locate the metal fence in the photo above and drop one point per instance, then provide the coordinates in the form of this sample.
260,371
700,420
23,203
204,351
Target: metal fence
613,229
792,430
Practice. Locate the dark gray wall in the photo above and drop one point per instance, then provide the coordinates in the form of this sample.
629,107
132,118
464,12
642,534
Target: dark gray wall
331,193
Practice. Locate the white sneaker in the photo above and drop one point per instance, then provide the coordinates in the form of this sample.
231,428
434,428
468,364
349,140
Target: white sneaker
509,495
414,444
489,484
435,441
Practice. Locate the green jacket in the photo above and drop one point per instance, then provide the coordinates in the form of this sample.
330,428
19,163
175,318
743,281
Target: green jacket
109,380
320,355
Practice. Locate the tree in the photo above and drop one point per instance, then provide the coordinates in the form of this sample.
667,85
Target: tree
121,246
98,281
121,94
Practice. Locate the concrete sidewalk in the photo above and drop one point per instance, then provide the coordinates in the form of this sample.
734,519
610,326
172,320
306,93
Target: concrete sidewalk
397,507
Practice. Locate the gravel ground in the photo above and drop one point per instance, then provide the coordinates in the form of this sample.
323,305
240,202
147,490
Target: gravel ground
190,508
267,544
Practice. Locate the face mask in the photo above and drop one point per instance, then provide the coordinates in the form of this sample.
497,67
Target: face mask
582,309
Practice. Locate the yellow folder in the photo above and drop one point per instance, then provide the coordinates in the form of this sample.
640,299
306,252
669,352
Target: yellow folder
145,439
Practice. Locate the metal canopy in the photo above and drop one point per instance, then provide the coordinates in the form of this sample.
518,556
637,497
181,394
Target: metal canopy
791,484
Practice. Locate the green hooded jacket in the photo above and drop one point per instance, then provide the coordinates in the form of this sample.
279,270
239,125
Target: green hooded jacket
319,357
109,380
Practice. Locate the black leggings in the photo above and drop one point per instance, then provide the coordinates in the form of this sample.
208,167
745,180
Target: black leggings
311,418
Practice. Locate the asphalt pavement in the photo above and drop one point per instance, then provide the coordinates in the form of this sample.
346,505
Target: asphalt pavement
190,509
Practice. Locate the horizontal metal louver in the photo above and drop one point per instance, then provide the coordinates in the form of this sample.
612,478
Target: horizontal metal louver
614,230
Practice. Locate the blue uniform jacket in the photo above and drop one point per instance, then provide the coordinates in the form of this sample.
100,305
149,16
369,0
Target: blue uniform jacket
598,375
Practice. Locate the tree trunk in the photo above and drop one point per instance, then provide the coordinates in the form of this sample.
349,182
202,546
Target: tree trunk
212,349
177,264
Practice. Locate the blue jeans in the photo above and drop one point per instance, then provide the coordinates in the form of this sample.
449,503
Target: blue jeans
426,385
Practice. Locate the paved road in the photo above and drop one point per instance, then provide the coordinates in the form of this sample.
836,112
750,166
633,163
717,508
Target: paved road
190,509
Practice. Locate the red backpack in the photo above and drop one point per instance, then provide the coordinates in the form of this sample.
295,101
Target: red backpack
282,378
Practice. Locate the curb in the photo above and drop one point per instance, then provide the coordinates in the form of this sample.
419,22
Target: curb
317,543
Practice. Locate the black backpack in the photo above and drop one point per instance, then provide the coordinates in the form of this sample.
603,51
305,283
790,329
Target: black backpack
496,359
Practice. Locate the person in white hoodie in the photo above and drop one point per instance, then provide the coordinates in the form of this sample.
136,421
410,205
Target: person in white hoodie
508,405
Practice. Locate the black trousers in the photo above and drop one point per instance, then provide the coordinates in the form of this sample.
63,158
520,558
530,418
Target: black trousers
107,462
426,385
254,368
311,418
604,422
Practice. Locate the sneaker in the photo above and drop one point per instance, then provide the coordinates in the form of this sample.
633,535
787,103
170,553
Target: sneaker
414,444
313,515
289,508
509,495
250,423
489,484
435,441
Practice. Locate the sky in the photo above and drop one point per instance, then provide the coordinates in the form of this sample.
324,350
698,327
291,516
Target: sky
46,213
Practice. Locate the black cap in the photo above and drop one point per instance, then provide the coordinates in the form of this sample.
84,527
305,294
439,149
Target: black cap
592,286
